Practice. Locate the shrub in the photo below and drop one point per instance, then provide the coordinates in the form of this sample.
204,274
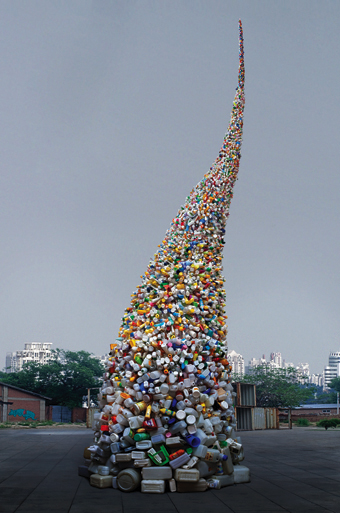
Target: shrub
328,423
302,422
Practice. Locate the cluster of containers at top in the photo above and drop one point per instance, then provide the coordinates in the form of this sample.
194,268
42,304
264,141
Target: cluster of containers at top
167,416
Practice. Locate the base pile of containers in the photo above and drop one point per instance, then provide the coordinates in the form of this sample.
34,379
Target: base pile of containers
167,418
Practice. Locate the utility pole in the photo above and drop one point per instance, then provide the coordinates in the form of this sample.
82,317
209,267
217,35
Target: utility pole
88,405
337,403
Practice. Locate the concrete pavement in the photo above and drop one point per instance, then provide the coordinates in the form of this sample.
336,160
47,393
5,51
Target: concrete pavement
294,470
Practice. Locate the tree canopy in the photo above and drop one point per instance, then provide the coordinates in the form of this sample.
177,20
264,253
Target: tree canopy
277,387
65,378
335,384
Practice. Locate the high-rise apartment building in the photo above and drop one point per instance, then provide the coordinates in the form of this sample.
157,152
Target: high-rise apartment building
316,379
237,362
303,369
332,370
276,359
39,352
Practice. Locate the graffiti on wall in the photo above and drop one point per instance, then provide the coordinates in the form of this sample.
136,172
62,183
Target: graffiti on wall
27,414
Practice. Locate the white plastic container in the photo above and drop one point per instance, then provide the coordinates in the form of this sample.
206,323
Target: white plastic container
123,456
210,440
138,455
143,445
212,455
177,427
200,451
202,436
136,422
241,474
206,469
103,470
173,441
152,473
172,485
187,475
228,467
224,479
142,463
158,439
153,486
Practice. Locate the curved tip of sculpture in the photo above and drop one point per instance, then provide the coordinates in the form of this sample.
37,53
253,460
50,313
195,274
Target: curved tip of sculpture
241,57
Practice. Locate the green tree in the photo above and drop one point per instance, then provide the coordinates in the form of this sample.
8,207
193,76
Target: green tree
335,384
277,387
65,378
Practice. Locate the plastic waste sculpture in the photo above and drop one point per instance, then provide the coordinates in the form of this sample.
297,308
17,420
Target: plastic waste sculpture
167,415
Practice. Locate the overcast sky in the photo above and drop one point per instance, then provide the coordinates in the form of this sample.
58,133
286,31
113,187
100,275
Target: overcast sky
113,110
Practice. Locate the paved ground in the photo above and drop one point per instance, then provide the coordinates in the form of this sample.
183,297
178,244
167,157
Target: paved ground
294,470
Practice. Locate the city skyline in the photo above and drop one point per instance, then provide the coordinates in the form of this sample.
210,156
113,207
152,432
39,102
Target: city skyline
41,352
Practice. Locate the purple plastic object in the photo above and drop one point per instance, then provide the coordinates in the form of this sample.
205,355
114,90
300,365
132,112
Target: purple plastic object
181,460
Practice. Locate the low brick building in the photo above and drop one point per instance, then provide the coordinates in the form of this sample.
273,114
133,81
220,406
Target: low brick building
17,404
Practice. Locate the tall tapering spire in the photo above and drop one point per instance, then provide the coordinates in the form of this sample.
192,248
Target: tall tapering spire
167,390
193,242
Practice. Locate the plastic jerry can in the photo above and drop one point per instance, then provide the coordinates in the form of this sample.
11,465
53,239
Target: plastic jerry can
158,439
143,445
224,480
125,456
210,440
200,451
199,486
128,480
181,460
173,441
212,455
227,465
237,458
103,470
153,486
202,436
142,463
115,447
101,481
206,469
151,473
241,474
191,474
177,427
138,455
136,422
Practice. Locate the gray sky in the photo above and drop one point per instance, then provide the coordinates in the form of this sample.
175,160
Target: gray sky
113,110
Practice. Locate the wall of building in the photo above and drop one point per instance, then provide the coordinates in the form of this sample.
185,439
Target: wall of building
25,406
